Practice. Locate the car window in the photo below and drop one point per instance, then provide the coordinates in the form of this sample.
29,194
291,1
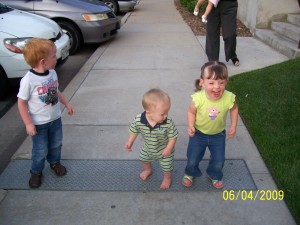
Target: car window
4,8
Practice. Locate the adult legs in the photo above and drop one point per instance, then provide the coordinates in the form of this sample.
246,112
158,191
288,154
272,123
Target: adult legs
228,17
212,46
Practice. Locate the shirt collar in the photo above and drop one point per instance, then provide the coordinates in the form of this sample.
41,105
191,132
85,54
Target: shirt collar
145,121
40,74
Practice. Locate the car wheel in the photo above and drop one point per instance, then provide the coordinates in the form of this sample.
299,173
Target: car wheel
74,34
4,85
113,5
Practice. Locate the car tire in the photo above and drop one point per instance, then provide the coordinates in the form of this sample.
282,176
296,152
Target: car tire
113,5
4,84
74,34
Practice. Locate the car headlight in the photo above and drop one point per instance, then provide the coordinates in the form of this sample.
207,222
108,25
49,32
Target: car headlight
16,45
94,17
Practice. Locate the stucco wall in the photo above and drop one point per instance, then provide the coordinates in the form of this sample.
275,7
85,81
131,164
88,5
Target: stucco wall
259,13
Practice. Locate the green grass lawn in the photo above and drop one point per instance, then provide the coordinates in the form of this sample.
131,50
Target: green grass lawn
269,105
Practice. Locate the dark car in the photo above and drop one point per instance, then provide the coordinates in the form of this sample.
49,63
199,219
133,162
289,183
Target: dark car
85,21
120,5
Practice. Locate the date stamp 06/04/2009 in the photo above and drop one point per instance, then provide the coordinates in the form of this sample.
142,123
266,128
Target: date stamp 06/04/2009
251,195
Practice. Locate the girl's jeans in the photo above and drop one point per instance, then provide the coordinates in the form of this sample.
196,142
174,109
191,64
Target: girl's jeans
46,145
195,152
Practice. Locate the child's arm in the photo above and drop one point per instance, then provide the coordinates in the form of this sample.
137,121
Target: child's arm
65,102
197,7
23,109
131,139
199,3
170,146
234,112
191,119
209,7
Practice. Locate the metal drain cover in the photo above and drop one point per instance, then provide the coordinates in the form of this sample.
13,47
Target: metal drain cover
121,175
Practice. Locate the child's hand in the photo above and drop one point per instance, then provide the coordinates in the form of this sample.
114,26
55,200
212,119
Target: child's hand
166,152
231,132
70,109
128,147
191,131
30,129
130,141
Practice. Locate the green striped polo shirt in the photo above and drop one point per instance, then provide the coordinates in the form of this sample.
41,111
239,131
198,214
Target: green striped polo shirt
155,138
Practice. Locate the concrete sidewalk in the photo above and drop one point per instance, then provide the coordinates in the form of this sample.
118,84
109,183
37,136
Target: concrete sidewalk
154,48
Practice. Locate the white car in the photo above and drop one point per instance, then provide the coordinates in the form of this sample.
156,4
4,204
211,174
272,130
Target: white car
16,28
85,21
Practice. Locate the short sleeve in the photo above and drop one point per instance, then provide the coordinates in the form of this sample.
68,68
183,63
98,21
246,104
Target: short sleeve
24,90
172,132
196,99
231,100
133,127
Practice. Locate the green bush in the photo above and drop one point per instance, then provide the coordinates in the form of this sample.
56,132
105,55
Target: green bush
190,5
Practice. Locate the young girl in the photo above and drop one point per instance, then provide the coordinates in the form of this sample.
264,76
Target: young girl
210,5
206,123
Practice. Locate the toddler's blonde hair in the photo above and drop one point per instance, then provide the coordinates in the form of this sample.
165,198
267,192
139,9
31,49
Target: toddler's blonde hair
153,97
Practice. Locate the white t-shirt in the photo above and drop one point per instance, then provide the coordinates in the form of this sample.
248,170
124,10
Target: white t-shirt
40,90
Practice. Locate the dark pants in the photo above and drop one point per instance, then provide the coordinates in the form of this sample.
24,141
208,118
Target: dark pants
223,16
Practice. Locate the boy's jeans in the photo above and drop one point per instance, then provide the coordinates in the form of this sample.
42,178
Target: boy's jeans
196,149
46,145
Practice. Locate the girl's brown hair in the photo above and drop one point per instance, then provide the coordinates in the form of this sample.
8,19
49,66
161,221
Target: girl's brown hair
212,70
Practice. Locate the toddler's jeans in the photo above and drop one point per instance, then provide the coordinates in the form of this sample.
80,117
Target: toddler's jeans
195,152
47,144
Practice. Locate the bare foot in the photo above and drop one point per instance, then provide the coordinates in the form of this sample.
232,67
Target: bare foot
166,183
145,174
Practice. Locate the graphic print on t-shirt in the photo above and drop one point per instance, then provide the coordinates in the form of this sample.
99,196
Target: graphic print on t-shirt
213,112
48,92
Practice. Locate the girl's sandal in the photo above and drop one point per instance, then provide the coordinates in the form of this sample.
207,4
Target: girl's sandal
235,61
217,183
187,180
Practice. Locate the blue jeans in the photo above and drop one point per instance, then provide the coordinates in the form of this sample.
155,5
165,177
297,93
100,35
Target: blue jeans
47,144
195,152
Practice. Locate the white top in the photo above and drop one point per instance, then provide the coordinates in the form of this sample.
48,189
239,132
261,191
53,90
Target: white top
40,90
